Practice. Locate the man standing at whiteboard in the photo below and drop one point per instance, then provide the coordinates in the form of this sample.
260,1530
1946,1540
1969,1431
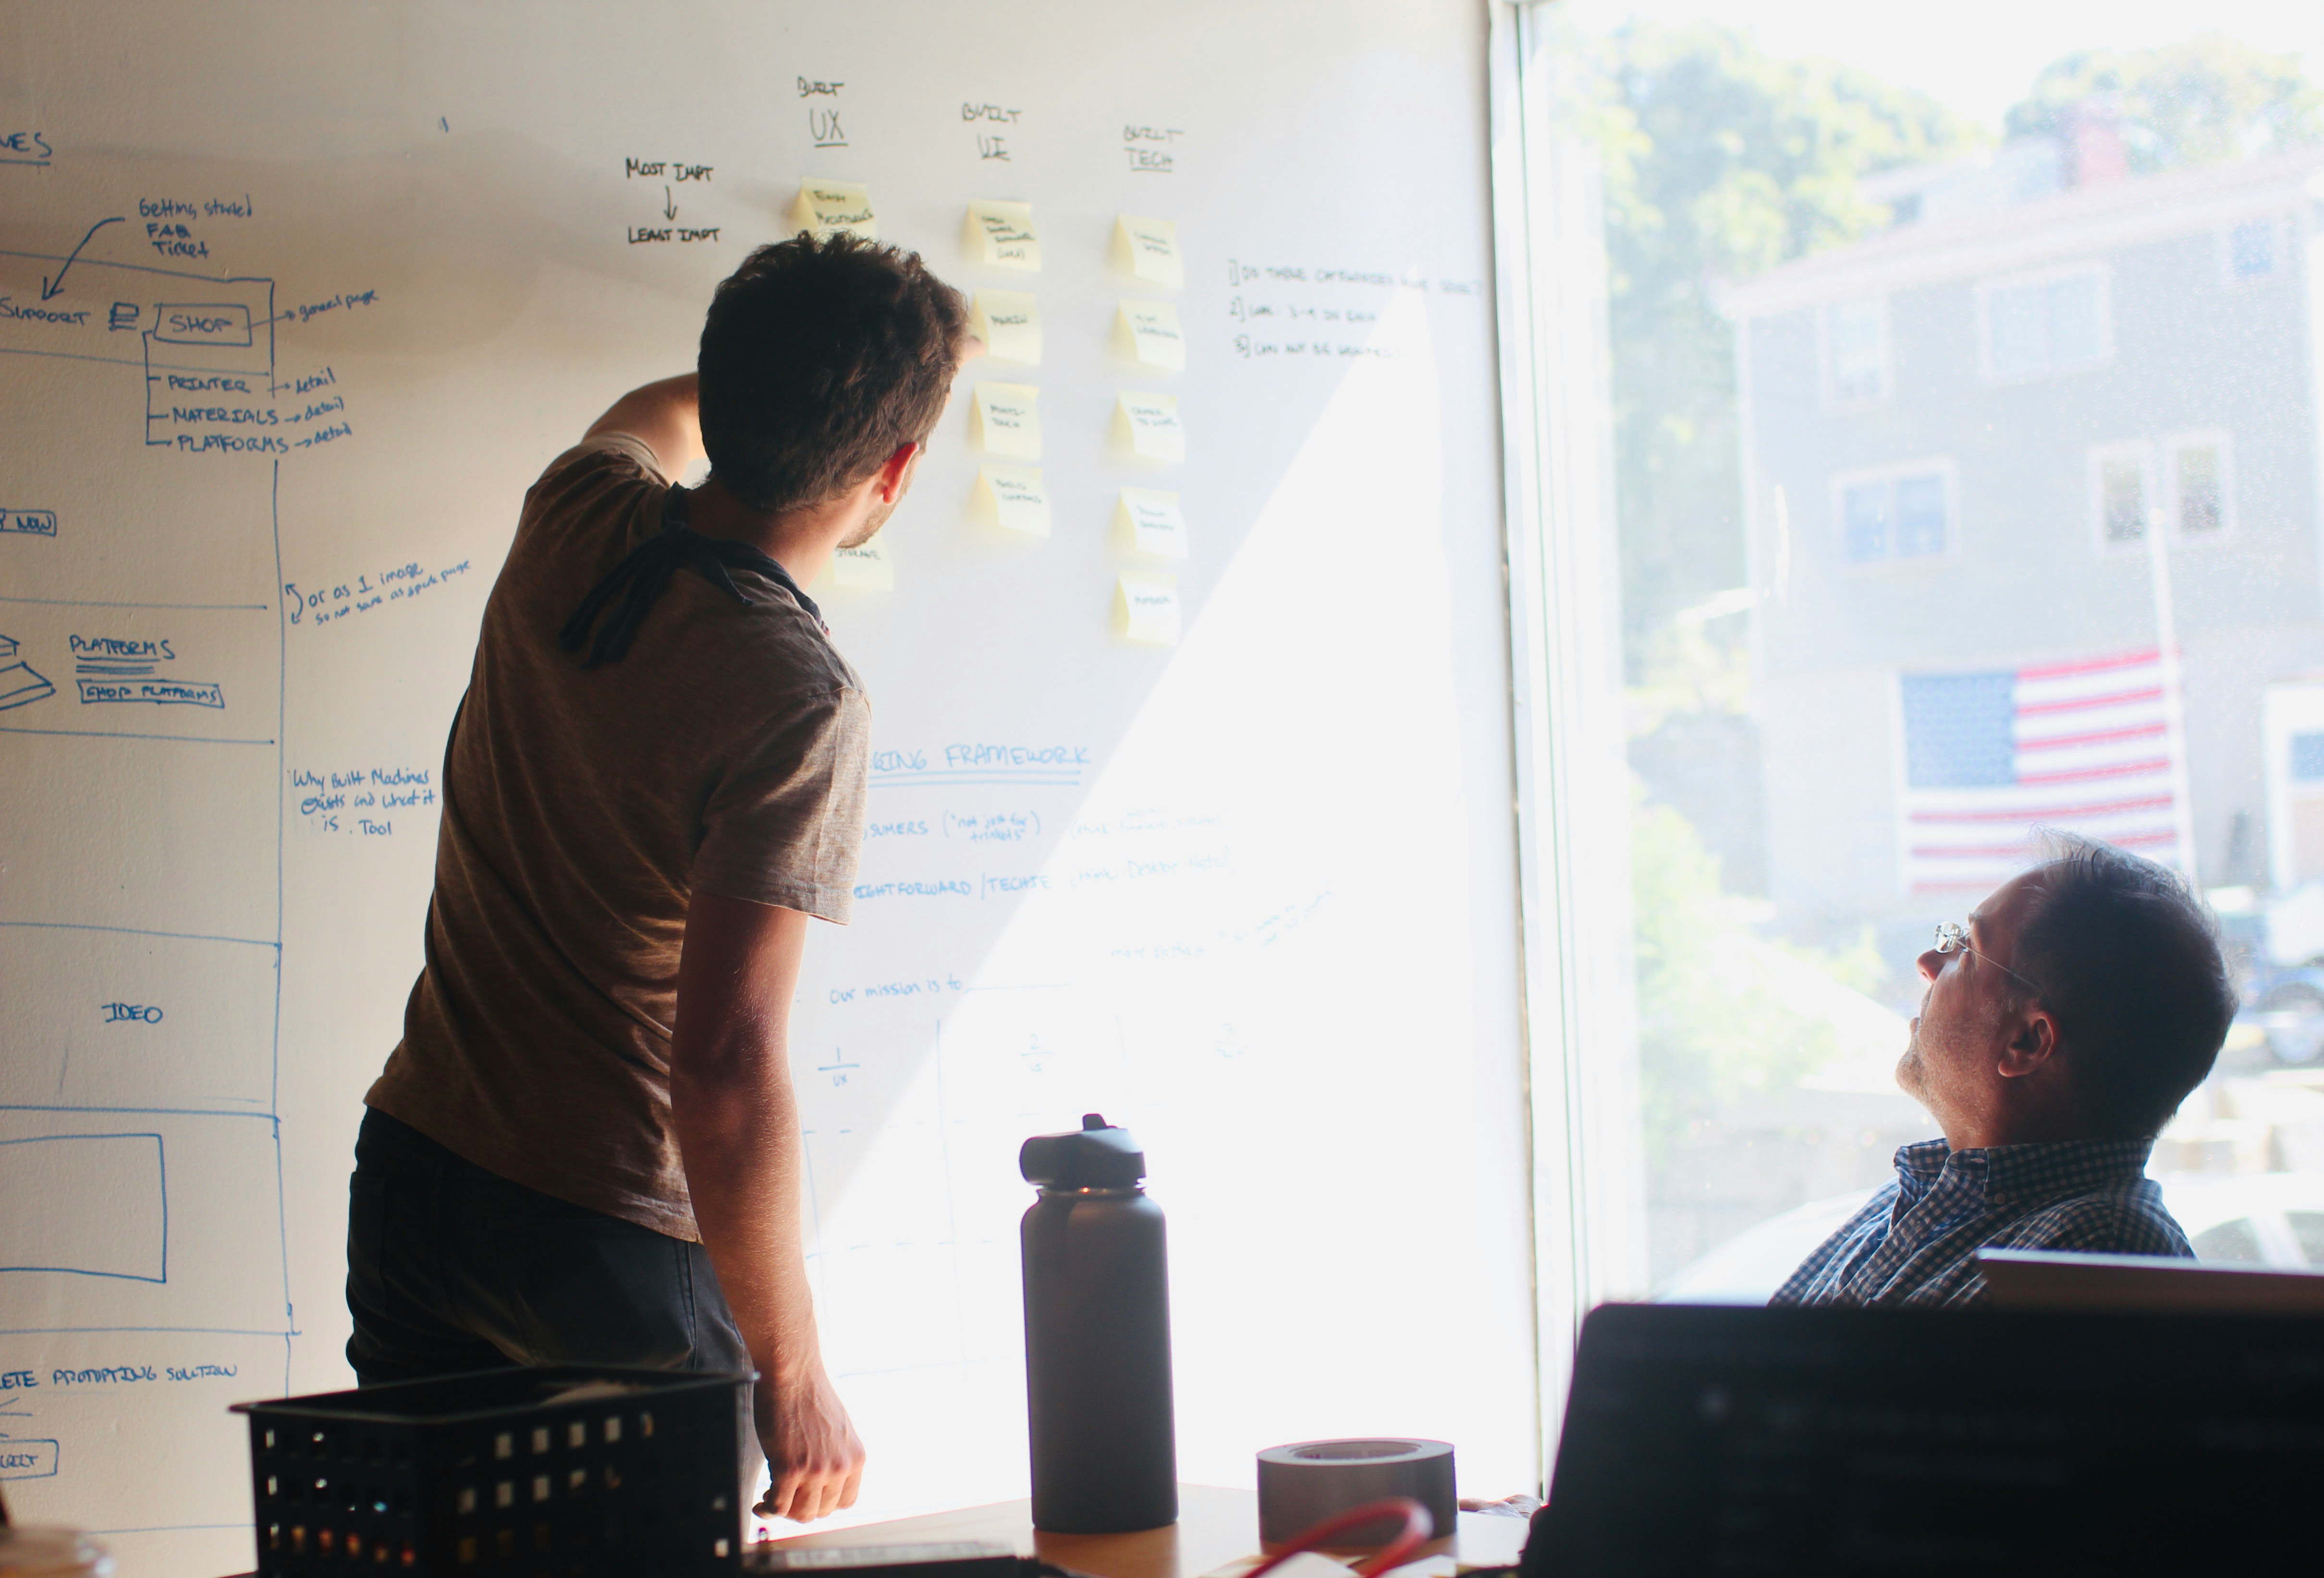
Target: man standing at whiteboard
586,1149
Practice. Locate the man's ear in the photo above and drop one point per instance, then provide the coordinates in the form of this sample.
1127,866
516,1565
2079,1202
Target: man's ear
896,473
2033,1042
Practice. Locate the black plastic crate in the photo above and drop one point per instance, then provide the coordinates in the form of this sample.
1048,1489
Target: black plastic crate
558,1472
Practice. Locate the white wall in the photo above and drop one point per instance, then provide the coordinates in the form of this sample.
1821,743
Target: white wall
1274,929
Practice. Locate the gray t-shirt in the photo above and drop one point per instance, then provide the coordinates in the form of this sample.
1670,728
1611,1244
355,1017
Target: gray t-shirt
582,809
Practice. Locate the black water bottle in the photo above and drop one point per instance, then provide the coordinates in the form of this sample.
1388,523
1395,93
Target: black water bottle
1097,1336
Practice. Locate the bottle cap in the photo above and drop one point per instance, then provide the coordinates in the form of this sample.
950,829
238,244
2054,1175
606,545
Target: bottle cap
1096,1156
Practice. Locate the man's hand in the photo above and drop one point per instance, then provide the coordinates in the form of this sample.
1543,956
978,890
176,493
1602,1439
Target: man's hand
737,1122
813,1453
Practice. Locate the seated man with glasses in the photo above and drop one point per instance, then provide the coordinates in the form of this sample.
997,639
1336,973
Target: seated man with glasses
2059,1031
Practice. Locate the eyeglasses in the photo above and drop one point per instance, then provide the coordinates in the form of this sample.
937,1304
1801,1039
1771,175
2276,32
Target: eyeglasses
1953,937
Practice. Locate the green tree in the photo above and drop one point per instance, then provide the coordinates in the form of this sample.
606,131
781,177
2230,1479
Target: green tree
1708,1033
2206,101
1719,162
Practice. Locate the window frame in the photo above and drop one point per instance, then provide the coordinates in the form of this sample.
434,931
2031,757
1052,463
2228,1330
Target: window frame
2292,743
1943,466
2096,269
1570,739
1834,402
2094,463
2280,239
2171,445
2158,461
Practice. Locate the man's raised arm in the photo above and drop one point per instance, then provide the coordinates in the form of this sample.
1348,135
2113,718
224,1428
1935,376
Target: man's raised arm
737,1122
667,414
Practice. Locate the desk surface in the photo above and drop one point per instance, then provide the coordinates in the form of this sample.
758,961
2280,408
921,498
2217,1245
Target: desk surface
1214,1527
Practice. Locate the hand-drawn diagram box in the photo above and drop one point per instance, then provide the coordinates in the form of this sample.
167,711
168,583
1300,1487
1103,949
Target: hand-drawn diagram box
126,1020
209,373
158,693
87,1204
141,671
141,1221
223,323
27,1460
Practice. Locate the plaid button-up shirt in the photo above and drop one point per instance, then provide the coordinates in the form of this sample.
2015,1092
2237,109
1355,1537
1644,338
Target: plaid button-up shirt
1916,1242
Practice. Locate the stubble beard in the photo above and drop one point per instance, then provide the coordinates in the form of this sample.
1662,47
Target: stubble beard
871,528
1909,1068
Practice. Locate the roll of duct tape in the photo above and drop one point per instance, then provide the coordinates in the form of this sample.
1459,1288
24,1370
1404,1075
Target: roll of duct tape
1302,1484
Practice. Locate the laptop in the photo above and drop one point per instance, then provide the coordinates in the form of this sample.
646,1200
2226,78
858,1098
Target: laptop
2041,1279
1703,1439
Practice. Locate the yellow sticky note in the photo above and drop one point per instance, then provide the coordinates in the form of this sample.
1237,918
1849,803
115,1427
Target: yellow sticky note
1152,520
1009,322
1000,236
1012,497
867,567
1148,249
1006,419
1148,426
826,208
1147,333
1146,609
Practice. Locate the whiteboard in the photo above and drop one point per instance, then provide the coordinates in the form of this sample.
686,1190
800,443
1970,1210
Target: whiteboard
295,301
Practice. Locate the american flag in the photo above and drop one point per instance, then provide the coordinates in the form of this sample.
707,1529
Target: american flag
2084,746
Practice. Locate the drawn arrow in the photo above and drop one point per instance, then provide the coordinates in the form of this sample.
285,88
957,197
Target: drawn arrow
668,205
51,287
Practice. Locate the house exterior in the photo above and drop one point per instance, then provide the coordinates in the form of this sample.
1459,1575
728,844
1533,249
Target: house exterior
1958,437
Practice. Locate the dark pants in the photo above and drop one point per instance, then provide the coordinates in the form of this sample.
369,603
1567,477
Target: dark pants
451,1268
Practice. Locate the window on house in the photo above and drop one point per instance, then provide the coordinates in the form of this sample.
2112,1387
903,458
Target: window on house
2121,478
2199,487
1855,337
1902,516
2251,249
2042,327
2308,757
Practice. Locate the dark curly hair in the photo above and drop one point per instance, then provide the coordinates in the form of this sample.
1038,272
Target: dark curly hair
821,357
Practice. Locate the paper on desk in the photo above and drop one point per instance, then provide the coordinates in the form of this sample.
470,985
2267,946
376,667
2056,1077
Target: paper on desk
1316,1564
1306,1564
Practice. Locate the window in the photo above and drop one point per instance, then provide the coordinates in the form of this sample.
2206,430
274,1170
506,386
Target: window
1855,353
2199,485
2308,757
2251,249
2119,490
2052,324
1951,631
2194,496
1903,514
